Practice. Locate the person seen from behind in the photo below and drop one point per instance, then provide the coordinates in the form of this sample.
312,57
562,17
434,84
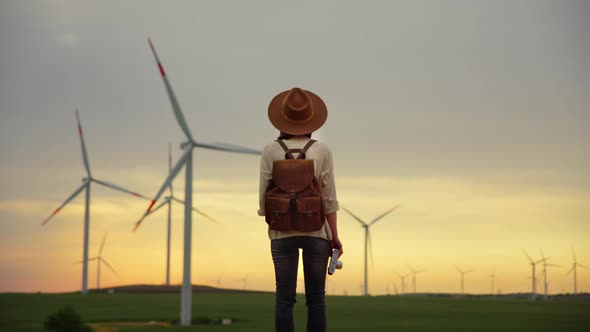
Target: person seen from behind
298,201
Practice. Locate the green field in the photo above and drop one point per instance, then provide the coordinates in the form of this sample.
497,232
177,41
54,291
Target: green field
254,312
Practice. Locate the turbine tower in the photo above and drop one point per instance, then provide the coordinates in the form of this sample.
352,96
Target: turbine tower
534,275
574,268
186,160
368,241
86,186
463,273
545,281
168,201
414,272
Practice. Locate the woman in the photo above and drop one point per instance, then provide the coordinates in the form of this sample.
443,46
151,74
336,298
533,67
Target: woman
296,113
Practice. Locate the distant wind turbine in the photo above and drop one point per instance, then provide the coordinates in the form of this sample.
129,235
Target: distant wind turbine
493,278
534,275
216,281
463,273
545,281
100,260
245,282
403,282
86,186
186,160
414,272
574,268
395,288
368,241
168,201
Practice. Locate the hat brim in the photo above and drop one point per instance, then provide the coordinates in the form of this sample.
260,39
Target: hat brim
275,115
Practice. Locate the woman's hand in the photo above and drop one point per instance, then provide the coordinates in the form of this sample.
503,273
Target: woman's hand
336,244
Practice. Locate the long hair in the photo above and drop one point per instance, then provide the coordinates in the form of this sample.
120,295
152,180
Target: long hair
283,135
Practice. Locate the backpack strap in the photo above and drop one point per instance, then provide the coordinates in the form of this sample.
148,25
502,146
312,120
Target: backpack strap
289,152
304,150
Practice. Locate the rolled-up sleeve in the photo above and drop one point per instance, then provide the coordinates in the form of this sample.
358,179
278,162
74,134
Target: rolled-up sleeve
328,184
265,176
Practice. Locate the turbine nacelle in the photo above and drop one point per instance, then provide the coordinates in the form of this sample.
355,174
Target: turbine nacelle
183,145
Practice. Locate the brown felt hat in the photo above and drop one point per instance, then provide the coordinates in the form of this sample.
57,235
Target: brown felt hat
297,112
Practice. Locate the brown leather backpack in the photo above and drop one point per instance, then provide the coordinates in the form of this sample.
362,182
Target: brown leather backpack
293,199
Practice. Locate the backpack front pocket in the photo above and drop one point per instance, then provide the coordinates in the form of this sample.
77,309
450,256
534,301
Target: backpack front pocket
277,213
309,214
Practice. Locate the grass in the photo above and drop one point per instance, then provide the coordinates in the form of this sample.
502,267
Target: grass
255,312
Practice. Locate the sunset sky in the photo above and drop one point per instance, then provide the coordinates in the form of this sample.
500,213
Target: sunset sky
474,116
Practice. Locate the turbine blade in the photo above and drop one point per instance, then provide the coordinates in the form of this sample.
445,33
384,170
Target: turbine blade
172,96
159,206
102,245
84,153
170,167
383,215
458,269
109,266
118,188
583,266
228,147
66,202
196,210
542,260
175,170
89,259
527,255
352,214
568,272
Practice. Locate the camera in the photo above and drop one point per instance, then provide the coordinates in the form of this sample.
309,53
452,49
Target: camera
334,262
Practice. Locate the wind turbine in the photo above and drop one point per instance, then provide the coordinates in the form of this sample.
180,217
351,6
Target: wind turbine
574,268
99,261
414,272
168,201
403,282
245,282
493,278
395,288
216,281
86,186
545,281
463,273
368,241
186,160
534,275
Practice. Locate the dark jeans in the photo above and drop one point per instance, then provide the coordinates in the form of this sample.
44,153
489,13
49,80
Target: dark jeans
285,255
